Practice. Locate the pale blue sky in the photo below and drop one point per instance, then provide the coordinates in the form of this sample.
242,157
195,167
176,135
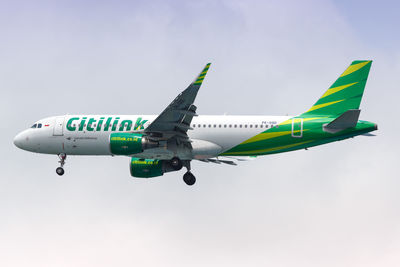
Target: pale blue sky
373,22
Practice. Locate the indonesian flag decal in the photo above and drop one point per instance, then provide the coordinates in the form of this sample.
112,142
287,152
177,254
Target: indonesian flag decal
46,125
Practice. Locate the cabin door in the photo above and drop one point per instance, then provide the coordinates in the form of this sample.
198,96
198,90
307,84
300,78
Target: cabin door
58,126
297,127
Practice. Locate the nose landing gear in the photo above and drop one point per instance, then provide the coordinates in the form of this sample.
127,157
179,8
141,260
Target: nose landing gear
60,171
62,157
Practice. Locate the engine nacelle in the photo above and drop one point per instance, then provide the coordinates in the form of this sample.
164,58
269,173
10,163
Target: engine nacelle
129,143
147,168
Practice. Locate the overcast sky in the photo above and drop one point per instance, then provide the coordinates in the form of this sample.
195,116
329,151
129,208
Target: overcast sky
334,205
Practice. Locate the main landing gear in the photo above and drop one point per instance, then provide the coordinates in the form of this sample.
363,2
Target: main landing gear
62,157
189,178
177,164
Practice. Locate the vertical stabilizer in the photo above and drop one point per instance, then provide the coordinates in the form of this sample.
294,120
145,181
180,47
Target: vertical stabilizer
345,93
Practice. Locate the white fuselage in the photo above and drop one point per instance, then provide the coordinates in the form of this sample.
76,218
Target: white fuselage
72,135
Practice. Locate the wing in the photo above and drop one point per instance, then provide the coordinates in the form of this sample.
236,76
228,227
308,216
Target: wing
174,121
227,160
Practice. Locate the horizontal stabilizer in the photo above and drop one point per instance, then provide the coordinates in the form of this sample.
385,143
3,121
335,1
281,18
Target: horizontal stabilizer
347,120
368,134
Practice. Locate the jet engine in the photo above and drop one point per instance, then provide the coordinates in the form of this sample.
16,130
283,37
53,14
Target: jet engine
147,168
129,143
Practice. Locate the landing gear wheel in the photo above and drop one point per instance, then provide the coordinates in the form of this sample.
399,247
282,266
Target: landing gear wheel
189,178
176,163
62,157
60,171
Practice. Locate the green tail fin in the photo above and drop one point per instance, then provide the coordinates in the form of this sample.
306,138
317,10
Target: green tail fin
345,93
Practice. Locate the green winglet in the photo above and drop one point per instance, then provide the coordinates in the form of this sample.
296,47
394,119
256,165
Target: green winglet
202,75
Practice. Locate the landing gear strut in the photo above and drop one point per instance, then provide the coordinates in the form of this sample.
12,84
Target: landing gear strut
176,163
62,157
188,177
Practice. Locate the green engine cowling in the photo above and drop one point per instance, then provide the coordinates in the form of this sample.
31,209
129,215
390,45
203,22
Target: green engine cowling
129,143
147,168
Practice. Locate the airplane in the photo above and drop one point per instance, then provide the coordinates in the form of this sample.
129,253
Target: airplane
170,141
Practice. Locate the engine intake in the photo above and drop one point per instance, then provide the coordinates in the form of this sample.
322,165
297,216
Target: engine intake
129,143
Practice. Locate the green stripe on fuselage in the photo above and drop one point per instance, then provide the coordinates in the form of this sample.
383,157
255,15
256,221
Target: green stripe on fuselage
311,135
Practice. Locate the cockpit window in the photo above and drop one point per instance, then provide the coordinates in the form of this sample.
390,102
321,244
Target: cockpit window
34,126
39,125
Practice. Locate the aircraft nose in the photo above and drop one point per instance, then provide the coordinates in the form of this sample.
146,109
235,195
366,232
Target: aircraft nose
18,140
21,140
27,141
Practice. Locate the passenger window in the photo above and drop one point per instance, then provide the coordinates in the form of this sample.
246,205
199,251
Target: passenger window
235,125
261,126
209,126
230,125
251,125
240,126
256,125
219,126
224,125
245,126
199,125
215,126
204,125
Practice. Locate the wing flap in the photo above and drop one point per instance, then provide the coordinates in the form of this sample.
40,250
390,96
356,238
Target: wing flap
219,161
